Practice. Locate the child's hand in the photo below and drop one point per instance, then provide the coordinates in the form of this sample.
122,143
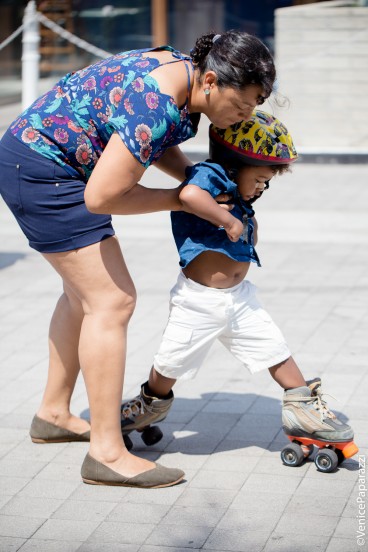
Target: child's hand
234,229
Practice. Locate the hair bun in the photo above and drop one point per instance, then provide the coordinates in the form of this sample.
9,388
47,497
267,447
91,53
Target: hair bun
202,47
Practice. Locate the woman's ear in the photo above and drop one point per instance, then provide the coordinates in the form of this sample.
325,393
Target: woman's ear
209,80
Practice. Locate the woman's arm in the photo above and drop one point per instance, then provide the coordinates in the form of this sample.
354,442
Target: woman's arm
113,185
174,162
201,203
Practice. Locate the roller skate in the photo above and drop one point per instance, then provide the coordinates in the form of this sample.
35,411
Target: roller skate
139,413
308,422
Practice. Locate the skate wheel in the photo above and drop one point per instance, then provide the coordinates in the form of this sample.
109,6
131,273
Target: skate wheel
326,460
128,442
151,435
292,455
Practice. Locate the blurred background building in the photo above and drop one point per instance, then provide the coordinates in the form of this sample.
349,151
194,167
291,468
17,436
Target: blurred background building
321,50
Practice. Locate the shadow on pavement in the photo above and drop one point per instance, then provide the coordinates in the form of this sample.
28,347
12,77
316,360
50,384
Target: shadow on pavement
223,422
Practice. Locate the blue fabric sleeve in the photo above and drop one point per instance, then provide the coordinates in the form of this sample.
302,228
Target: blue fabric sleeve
210,177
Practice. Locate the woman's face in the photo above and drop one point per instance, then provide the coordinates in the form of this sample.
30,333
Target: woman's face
226,106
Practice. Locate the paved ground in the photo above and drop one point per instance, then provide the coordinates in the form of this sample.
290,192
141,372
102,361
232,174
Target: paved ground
224,429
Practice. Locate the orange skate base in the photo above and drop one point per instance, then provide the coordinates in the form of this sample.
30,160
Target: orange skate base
348,449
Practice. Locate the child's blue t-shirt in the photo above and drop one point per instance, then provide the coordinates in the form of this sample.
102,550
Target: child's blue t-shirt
194,235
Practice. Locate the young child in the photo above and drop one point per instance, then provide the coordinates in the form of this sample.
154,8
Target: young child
212,300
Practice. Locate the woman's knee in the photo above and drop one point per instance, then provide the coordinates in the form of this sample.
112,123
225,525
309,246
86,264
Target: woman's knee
115,308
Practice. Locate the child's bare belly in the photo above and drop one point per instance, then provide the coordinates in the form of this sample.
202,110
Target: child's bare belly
216,270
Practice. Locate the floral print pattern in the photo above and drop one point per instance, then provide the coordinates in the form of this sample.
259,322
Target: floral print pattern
73,122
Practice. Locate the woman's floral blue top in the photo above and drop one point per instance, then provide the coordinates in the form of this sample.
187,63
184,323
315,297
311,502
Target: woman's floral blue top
73,122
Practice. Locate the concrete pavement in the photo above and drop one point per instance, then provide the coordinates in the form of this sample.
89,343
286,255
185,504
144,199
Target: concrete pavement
224,428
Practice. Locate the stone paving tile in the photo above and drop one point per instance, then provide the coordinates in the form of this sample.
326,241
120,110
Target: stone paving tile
13,467
136,513
38,453
313,524
160,548
243,447
213,479
10,544
19,526
347,528
267,482
112,547
98,493
316,504
259,502
286,542
237,541
324,485
275,466
12,485
48,489
61,472
249,520
344,545
120,532
40,545
83,510
228,462
206,498
179,536
31,507
66,530
193,516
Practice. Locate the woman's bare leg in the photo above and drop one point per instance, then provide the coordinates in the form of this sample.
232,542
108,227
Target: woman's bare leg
98,276
64,367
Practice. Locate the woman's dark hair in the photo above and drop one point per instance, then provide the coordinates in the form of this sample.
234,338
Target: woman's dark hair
237,58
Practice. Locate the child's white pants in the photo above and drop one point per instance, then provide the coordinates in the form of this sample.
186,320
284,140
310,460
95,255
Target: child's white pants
199,315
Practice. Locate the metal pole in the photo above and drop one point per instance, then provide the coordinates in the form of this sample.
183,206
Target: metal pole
159,22
30,55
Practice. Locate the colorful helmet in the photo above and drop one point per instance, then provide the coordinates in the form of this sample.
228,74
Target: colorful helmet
262,140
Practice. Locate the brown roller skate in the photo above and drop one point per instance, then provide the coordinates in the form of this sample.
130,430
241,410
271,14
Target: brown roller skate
308,422
139,413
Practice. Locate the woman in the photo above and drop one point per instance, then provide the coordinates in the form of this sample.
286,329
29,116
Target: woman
125,112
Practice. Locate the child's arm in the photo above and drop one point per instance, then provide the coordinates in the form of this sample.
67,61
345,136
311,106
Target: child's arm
200,202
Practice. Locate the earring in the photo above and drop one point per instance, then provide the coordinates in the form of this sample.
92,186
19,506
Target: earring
207,91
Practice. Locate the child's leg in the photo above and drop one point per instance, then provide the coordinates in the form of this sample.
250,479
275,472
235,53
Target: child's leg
287,374
189,334
159,385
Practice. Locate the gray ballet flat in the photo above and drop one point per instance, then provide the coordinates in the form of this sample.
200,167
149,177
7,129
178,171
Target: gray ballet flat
96,473
45,432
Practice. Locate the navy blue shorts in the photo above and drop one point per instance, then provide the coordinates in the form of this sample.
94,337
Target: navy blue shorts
47,202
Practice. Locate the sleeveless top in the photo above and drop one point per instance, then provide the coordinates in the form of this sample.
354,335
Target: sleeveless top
72,123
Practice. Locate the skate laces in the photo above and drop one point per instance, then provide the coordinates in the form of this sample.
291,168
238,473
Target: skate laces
321,405
132,408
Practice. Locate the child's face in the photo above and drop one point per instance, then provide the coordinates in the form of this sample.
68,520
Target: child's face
251,180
